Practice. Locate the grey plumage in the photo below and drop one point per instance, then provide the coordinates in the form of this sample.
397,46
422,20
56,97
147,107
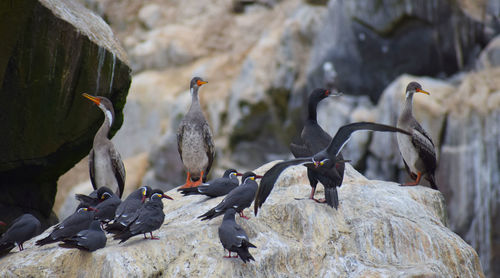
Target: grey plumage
22,229
70,226
125,212
194,139
418,151
89,239
215,188
146,219
233,237
105,165
239,198
105,210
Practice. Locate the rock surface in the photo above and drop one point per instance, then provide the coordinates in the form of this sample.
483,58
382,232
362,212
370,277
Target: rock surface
380,230
51,52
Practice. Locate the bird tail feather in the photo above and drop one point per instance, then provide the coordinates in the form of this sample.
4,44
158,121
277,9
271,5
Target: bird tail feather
243,252
331,196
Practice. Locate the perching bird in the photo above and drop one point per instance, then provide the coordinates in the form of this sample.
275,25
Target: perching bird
126,210
315,139
234,238
147,219
239,198
94,198
106,209
323,161
215,188
90,239
105,164
22,229
194,140
80,220
417,150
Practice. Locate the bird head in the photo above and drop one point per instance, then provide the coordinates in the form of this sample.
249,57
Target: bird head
319,161
231,173
415,87
197,82
104,104
157,193
250,176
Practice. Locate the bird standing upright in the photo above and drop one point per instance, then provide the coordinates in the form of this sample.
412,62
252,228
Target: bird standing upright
234,238
194,140
105,164
314,140
417,150
323,161
126,210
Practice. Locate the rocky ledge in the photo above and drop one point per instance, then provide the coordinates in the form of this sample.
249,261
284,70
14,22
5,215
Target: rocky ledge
380,230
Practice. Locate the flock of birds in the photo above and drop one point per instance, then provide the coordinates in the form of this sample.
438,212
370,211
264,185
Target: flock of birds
142,211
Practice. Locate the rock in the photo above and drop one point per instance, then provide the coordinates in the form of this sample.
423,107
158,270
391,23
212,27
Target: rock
490,57
380,229
360,39
51,52
150,15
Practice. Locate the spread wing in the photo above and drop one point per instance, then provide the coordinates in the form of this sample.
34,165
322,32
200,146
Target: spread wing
271,176
91,168
300,150
118,168
344,134
209,149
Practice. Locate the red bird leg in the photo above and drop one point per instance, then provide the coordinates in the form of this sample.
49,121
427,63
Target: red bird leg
153,237
419,176
228,256
21,248
243,216
235,256
145,237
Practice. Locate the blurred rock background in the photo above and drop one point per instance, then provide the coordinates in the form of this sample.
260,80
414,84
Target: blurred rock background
262,57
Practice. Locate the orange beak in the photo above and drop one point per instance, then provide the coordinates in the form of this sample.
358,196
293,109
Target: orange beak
199,82
422,91
94,99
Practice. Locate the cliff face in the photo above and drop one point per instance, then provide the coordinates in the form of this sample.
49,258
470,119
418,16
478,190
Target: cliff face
51,52
380,229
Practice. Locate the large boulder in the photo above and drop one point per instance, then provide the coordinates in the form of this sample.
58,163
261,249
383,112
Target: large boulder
371,43
380,229
51,52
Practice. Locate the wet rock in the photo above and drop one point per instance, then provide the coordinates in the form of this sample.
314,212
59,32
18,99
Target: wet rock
51,52
380,229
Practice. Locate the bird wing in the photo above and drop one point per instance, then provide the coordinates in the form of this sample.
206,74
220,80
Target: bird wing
149,219
271,176
425,147
91,169
118,168
344,134
180,134
209,148
300,150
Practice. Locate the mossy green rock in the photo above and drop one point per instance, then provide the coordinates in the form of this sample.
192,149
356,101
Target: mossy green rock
51,52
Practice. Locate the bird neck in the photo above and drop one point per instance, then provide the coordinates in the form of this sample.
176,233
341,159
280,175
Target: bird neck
229,216
312,110
104,129
408,106
195,101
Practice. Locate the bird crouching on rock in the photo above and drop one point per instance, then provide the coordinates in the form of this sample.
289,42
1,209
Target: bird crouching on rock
324,162
80,220
234,238
239,198
194,140
417,150
148,218
126,210
90,239
22,229
215,188
105,164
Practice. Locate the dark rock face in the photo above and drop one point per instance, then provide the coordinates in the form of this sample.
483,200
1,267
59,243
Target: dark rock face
51,52
370,43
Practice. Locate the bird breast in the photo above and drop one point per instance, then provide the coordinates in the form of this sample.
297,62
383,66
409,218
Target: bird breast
194,154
